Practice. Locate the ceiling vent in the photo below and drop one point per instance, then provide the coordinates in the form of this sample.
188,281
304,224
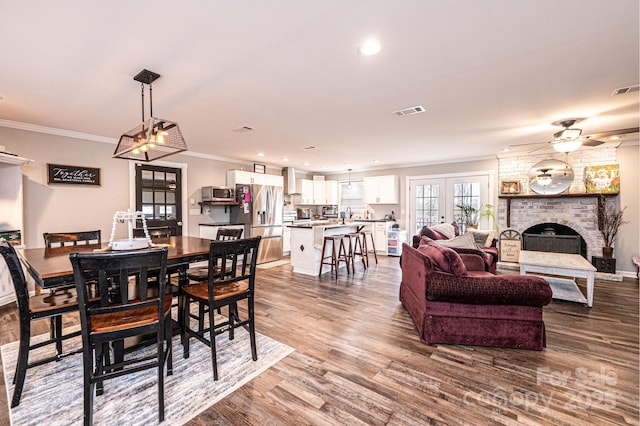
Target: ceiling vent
409,111
623,90
243,129
308,148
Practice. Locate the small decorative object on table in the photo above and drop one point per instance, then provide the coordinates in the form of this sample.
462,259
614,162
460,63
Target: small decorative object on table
130,243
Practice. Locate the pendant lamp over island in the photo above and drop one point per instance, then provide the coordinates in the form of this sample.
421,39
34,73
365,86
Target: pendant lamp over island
154,138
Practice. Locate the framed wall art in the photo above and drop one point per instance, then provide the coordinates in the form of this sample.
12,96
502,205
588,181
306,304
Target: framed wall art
510,187
72,175
259,168
603,179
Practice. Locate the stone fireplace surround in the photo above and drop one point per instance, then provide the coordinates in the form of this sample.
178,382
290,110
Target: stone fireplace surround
573,210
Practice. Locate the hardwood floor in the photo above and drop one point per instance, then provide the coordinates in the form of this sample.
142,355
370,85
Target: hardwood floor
359,360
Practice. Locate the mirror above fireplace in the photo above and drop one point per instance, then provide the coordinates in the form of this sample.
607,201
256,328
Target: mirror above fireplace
550,177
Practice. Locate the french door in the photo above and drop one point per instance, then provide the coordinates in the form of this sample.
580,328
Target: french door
159,196
437,200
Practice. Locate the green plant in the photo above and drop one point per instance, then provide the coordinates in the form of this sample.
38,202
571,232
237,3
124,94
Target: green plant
486,210
611,221
468,214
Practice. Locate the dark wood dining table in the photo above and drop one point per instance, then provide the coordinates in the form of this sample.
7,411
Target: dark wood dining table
52,268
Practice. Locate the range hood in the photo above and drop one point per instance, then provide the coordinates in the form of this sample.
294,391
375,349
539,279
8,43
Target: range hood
289,174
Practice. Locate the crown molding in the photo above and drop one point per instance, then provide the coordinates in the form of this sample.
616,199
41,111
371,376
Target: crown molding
54,131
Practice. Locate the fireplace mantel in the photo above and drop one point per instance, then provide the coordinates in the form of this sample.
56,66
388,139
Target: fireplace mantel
601,201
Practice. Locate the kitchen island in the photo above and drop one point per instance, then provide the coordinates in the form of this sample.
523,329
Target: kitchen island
307,240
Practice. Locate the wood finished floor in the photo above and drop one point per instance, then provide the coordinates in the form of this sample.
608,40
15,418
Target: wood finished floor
359,360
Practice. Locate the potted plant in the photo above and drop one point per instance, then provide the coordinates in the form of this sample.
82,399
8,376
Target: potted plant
611,220
486,210
468,217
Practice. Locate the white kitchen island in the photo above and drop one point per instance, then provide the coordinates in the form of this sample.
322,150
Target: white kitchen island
307,240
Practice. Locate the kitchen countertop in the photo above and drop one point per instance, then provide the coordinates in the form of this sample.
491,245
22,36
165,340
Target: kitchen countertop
327,224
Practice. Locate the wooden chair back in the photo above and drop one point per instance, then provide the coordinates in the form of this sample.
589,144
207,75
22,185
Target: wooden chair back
16,273
225,234
238,258
154,232
62,239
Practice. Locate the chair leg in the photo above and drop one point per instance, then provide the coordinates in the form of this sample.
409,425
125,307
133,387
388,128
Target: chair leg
233,316
252,329
21,365
58,333
212,339
168,335
89,387
185,326
160,349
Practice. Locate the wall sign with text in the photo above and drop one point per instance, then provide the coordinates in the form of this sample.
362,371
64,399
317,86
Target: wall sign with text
74,175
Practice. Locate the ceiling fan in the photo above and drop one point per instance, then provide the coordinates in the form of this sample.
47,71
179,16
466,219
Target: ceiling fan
569,139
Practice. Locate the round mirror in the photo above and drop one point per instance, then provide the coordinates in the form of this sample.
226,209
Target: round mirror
550,177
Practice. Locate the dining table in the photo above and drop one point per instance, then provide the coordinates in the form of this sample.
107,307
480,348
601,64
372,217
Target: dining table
51,268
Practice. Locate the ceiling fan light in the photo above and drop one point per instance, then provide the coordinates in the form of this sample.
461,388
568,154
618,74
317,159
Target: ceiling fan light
566,145
544,179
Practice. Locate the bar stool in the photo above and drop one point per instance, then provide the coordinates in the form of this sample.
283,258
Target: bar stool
335,257
356,249
365,247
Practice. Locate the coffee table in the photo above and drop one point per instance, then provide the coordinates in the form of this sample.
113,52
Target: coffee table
563,264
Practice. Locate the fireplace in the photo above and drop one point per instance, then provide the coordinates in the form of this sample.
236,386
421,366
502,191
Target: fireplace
554,237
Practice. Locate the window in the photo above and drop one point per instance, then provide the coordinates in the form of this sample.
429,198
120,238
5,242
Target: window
352,196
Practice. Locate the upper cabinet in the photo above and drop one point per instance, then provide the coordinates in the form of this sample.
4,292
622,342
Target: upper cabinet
241,177
318,192
382,190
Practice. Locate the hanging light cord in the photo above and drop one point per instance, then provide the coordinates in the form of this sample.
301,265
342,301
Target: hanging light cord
142,97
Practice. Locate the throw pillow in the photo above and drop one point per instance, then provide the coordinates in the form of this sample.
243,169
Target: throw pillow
434,235
463,241
482,238
443,259
445,229
456,228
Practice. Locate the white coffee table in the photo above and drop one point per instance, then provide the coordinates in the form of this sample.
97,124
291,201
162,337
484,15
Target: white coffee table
563,264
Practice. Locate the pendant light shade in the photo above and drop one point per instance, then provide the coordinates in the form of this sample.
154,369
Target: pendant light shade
154,138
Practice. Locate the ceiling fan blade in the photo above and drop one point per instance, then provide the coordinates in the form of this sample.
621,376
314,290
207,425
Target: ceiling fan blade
613,133
540,148
591,142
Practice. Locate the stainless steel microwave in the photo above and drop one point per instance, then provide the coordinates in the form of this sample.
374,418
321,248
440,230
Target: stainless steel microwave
218,193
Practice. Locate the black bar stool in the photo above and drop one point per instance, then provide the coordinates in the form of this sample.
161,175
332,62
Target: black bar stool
365,247
356,248
341,255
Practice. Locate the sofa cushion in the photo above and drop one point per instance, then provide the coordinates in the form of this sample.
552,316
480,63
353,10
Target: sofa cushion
443,259
463,241
434,235
482,238
445,229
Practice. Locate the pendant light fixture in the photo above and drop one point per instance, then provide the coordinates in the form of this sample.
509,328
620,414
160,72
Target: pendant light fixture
154,138
349,184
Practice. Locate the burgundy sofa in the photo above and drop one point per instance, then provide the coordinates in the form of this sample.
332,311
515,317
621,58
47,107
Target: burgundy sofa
491,254
452,299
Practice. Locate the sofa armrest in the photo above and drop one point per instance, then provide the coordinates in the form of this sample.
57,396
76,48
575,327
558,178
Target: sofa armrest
489,290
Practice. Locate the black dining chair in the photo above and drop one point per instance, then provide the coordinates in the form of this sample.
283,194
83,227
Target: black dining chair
238,259
131,313
155,232
31,308
65,239
223,234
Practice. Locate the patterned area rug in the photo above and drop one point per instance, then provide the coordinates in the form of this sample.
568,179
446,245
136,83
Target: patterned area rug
53,392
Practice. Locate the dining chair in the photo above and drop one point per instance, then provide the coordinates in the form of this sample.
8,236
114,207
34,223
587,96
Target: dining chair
132,312
62,239
154,232
238,258
31,308
223,234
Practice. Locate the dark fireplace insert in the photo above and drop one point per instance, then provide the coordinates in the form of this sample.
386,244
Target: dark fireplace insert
553,237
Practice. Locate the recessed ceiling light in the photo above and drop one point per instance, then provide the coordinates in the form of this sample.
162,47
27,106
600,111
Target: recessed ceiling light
376,161
285,159
347,164
260,154
306,163
370,47
323,167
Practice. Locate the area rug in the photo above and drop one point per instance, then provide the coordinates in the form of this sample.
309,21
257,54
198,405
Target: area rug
565,289
53,392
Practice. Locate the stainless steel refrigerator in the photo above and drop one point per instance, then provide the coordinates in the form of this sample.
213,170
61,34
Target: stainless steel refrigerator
260,210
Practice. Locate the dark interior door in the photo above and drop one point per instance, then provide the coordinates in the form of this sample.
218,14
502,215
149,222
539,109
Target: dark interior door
159,196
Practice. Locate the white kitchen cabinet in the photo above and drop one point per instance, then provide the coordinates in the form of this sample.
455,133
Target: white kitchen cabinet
382,189
306,191
11,206
242,177
286,240
331,192
380,235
